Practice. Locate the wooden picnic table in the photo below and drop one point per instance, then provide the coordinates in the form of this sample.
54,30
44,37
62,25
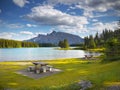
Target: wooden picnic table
40,63
41,66
88,56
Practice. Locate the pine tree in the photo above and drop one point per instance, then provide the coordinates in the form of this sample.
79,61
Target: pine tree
63,44
86,42
96,39
113,49
91,42
66,44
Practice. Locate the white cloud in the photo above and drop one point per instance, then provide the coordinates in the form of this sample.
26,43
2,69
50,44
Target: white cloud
78,30
88,13
94,20
31,25
90,6
7,35
99,26
14,25
43,33
26,33
47,15
20,3
85,31
100,5
66,2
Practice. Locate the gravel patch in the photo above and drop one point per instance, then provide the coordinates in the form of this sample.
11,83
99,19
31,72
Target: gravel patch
35,75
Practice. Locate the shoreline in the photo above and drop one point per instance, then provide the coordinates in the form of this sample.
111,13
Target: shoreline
81,58
39,60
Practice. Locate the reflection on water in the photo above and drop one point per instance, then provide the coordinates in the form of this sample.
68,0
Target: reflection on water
40,54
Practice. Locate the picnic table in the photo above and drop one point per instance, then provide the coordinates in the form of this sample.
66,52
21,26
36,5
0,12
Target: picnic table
40,67
88,56
40,63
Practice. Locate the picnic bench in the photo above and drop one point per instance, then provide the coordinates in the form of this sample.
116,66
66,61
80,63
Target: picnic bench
40,67
88,56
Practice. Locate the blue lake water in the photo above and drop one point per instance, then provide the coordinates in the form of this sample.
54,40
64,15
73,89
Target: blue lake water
15,54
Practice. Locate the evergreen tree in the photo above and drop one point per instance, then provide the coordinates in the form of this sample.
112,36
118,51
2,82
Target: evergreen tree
113,49
63,44
66,44
91,42
96,39
86,42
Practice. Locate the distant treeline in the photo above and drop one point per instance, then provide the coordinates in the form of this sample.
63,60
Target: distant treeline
56,45
47,45
5,43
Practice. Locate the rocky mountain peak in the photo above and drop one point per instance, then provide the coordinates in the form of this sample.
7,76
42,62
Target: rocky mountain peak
54,38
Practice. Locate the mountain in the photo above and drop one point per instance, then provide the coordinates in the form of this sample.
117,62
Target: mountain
55,37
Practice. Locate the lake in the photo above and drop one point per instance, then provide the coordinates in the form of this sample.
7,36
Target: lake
15,54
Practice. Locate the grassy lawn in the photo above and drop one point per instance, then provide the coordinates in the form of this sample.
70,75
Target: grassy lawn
97,50
74,70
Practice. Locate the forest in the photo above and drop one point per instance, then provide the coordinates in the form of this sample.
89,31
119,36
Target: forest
5,43
100,40
109,40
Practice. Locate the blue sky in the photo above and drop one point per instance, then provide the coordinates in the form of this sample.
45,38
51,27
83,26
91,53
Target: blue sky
24,19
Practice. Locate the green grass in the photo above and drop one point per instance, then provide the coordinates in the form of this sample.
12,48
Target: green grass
97,50
74,70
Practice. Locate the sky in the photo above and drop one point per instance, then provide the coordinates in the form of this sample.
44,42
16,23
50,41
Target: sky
25,19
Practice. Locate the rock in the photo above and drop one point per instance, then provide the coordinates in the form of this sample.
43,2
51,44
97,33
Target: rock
85,84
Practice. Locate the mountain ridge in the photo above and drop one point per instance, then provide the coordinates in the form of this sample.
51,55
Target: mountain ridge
55,37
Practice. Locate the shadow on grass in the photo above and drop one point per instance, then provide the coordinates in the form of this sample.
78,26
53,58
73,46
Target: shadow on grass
73,86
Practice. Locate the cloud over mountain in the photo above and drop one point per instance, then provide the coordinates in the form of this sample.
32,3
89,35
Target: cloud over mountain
47,15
